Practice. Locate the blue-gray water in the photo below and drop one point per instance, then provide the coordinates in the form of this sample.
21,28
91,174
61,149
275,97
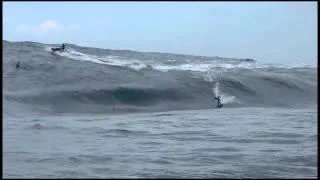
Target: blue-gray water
224,143
123,114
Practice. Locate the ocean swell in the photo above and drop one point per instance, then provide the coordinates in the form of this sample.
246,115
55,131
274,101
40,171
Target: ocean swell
96,80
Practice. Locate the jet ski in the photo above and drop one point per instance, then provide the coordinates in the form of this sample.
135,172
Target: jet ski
59,49
54,49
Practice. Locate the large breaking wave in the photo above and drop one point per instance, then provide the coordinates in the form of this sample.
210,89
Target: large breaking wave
91,80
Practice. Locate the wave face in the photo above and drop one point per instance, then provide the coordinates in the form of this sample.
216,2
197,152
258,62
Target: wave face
91,80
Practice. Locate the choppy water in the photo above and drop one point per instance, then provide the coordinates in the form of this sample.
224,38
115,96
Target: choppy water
224,143
104,113
89,80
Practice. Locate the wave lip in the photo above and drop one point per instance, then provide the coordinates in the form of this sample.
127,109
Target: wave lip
195,63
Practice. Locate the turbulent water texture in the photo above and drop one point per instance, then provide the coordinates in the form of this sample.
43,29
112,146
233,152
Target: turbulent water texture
90,80
225,143
70,115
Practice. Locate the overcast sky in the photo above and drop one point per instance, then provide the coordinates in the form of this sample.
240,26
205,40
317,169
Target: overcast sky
281,32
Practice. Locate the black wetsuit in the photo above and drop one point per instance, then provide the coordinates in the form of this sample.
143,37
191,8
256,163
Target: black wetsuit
219,104
18,65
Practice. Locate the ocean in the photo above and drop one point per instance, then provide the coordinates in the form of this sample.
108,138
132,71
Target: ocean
101,113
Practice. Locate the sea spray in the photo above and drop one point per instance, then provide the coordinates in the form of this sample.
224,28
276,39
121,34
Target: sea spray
225,98
98,79
216,89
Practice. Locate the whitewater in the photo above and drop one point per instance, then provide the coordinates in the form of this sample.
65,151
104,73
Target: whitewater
102,113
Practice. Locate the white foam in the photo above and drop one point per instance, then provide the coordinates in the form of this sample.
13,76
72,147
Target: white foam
184,67
205,67
80,56
225,98
108,60
188,66
228,99
113,60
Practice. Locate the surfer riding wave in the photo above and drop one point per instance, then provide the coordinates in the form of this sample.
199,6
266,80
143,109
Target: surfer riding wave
219,103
